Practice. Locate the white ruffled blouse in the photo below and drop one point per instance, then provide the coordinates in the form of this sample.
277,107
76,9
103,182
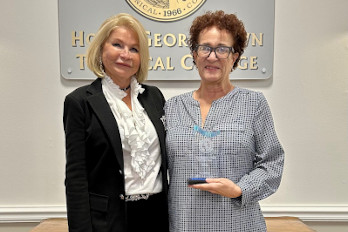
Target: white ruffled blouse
141,149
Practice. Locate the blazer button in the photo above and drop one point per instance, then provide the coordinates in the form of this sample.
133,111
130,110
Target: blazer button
121,196
120,172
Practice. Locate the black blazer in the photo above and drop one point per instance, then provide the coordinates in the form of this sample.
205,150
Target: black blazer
94,158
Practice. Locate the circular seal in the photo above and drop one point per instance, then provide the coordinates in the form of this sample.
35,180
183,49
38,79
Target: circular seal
206,145
165,10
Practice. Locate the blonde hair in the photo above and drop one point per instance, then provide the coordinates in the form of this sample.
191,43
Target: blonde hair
94,51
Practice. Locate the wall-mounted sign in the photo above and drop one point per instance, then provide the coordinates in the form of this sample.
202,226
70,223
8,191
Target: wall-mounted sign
159,10
167,23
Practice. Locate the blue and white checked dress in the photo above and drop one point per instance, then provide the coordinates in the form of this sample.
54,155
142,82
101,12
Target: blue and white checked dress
238,142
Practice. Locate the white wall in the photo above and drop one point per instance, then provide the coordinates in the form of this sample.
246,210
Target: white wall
308,95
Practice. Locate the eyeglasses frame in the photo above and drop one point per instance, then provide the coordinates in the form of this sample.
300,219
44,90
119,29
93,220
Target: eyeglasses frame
231,50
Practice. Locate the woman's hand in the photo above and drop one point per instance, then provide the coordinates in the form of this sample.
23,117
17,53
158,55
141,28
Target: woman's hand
221,186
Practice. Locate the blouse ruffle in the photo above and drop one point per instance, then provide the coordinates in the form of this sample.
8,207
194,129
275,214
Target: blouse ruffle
132,122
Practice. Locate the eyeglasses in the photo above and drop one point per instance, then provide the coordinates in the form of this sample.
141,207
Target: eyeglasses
221,52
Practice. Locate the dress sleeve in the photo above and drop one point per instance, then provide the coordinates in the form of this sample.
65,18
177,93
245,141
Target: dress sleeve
265,178
77,195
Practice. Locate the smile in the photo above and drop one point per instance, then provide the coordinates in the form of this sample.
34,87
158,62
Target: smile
211,67
124,64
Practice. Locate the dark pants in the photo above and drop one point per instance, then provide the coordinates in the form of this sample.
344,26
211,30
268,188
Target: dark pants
148,215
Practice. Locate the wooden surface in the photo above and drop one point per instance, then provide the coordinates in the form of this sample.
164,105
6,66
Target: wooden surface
286,224
52,225
274,224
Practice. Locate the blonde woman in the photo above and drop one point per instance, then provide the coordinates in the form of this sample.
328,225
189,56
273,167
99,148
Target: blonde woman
115,153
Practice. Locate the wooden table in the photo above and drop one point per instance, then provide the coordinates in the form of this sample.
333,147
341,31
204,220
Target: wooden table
274,224
52,225
286,224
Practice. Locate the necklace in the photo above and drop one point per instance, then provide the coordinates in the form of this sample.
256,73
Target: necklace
125,89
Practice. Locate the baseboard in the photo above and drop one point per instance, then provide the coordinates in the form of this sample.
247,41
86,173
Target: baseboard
309,213
312,213
30,213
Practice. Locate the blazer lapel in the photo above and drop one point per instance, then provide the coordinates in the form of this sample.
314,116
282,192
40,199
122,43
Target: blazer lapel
102,109
154,116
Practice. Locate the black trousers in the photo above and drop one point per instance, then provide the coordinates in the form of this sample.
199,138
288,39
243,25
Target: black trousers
148,215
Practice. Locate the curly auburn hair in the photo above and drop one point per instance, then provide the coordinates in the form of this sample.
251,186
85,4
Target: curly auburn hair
222,21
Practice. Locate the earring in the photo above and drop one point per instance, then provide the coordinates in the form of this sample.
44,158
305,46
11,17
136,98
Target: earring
101,66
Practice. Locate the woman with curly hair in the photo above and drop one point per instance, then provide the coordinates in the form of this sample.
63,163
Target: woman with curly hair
220,138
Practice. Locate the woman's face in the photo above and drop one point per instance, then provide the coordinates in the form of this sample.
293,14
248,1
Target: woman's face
211,68
120,54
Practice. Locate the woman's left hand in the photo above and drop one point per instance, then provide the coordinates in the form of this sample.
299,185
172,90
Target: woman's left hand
221,186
